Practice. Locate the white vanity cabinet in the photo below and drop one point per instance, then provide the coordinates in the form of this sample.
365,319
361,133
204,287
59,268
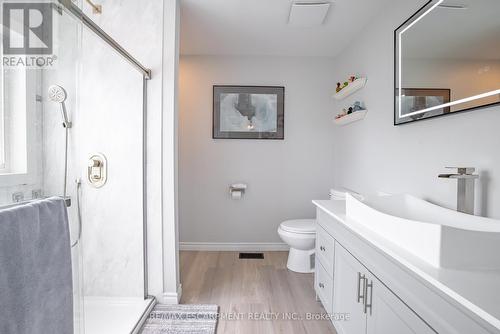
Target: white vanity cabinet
373,308
345,286
362,276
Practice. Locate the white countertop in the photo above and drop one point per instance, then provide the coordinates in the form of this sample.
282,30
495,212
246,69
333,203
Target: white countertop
477,291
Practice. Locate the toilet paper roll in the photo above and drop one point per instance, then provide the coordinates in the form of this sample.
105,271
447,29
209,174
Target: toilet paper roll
235,194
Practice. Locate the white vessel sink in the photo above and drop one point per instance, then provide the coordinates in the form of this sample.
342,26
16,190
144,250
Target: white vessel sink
439,236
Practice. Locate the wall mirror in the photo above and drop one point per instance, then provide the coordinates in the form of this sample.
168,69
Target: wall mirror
447,59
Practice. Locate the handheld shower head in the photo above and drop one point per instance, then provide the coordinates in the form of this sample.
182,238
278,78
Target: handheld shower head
58,94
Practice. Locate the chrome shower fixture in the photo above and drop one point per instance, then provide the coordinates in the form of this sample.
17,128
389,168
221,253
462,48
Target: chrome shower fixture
58,94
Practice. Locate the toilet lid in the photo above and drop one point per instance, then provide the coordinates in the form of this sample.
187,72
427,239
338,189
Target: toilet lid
299,226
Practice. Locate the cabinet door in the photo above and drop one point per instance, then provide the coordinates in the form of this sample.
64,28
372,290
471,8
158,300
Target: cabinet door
389,315
348,288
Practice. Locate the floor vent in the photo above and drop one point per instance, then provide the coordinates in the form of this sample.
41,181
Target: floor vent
251,255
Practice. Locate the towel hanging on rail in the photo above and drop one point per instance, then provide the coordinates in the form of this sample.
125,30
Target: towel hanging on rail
36,290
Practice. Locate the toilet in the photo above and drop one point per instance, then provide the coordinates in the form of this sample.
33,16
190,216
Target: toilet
300,235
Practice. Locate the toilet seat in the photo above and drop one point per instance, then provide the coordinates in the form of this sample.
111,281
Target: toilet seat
300,226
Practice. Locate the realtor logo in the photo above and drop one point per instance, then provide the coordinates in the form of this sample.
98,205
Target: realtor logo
27,28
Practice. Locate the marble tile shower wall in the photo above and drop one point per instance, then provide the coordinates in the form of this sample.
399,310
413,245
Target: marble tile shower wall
104,103
110,122
66,75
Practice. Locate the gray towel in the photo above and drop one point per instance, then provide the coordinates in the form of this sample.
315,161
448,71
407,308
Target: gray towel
36,288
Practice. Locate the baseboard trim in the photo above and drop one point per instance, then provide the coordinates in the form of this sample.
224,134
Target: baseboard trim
233,246
172,297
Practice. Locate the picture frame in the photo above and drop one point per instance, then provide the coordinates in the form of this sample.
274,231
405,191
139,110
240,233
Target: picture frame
421,98
248,112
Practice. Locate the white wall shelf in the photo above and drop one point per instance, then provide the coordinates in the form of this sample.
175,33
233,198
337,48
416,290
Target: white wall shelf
355,116
350,89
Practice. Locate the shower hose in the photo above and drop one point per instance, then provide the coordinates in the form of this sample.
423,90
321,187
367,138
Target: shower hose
78,191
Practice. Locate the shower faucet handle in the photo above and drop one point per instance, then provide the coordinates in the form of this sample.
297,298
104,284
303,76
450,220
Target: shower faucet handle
97,170
94,163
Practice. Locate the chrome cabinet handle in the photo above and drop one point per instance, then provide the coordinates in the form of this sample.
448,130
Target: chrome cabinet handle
368,305
361,277
321,285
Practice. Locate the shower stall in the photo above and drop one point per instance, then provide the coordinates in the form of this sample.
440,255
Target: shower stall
77,129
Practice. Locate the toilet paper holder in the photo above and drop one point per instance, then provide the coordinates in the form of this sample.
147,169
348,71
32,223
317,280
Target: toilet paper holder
237,188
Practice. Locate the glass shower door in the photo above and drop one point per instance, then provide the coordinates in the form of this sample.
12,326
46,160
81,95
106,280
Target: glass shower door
109,123
33,140
60,144
46,152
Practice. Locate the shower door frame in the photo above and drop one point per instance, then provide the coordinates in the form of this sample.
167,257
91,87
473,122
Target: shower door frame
75,11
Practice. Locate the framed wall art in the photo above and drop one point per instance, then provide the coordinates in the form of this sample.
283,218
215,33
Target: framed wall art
248,112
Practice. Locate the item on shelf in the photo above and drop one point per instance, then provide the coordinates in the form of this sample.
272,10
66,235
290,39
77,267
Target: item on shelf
357,106
350,80
342,114
340,86
349,88
353,117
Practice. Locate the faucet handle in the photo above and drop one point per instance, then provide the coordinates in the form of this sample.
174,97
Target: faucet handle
464,170
462,173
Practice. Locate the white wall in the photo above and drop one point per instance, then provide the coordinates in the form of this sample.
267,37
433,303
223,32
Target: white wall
374,155
283,176
169,122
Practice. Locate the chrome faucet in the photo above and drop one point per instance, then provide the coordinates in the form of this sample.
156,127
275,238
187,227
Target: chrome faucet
465,189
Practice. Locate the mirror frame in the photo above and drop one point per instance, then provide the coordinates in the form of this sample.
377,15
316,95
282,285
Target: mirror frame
420,13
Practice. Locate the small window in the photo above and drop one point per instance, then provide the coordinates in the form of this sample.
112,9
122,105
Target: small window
19,125
14,121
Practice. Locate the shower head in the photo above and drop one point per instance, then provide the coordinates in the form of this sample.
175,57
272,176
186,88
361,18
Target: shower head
58,94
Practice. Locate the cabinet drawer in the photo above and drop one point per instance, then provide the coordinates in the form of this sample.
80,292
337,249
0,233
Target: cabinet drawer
324,287
325,249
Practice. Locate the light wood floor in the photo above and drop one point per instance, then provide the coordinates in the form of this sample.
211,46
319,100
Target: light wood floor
246,287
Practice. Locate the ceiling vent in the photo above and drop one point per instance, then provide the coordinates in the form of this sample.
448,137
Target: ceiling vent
308,14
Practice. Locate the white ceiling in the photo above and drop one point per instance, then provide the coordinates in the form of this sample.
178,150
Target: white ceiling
260,27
